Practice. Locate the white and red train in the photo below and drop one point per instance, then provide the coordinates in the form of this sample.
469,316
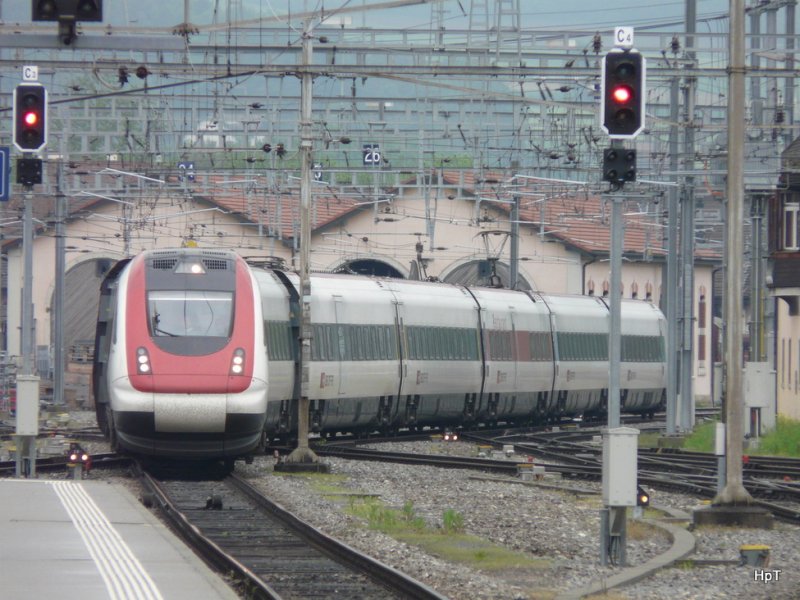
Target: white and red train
196,352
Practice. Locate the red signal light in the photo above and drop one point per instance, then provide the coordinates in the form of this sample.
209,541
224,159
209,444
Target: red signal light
622,94
30,117
622,106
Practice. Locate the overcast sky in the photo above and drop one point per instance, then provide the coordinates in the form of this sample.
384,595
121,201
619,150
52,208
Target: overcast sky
562,15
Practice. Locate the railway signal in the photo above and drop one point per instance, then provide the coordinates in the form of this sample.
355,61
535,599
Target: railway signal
67,13
622,104
30,117
619,165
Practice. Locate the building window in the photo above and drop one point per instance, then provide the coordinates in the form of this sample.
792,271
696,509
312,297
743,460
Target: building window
790,237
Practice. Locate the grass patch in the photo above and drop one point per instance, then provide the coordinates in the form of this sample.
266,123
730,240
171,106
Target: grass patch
471,551
452,521
702,438
447,542
384,519
784,440
649,440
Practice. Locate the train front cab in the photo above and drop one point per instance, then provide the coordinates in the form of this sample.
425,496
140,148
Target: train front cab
188,367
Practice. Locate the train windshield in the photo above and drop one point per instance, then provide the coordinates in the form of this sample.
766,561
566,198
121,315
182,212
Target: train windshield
190,313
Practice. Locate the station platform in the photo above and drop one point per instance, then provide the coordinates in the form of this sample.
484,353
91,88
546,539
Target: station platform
92,540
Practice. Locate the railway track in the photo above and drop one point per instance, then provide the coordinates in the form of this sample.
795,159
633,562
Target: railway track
573,457
272,553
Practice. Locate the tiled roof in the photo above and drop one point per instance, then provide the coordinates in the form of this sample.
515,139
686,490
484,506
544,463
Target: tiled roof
569,215
577,218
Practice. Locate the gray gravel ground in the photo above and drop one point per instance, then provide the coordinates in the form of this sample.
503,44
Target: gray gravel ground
559,527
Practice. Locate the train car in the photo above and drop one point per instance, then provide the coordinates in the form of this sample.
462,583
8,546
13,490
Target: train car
180,369
643,369
386,354
580,359
518,349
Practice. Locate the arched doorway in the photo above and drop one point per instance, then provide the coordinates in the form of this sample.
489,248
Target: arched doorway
81,299
369,266
479,272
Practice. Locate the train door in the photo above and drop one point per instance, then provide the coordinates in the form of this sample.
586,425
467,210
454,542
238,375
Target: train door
515,351
402,367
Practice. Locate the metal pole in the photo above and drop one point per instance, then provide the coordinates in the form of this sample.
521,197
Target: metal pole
303,454
26,349
672,268
58,295
615,309
514,275
756,279
686,412
734,491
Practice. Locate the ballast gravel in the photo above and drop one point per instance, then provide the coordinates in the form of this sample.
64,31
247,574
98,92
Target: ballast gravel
559,527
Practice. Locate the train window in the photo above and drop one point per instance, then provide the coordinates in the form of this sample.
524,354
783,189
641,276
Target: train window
317,352
331,347
344,343
372,354
387,340
543,346
474,349
452,343
327,347
370,339
391,342
380,342
192,313
358,342
279,340
427,344
365,339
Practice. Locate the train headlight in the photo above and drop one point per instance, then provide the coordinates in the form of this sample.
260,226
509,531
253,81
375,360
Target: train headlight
142,361
237,363
73,457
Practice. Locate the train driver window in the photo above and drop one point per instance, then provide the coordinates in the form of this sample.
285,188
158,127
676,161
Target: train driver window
190,313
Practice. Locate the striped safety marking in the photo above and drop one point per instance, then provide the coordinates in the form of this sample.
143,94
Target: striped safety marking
123,574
